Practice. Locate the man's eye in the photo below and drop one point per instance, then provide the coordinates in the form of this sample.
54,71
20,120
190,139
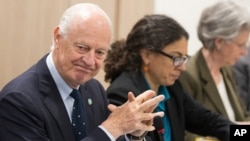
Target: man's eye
101,53
83,48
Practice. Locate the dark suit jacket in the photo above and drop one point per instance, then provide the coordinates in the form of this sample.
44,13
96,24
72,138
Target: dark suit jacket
242,76
183,111
31,108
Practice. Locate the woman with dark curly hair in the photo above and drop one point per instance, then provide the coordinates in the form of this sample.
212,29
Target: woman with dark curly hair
153,57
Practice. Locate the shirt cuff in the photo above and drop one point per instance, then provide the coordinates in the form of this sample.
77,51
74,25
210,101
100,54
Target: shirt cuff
112,138
108,134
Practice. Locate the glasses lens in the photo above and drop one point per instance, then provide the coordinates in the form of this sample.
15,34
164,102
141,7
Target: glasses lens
178,61
241,46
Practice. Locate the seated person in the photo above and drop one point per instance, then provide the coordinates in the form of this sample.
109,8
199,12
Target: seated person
152,58
208,77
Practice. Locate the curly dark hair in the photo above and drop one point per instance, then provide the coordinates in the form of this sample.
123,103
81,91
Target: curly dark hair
152,32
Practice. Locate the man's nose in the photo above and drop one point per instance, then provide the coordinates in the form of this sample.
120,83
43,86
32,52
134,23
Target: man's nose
89,58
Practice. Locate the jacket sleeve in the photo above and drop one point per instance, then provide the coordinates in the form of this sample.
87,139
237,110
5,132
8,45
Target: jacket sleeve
204,122
242,75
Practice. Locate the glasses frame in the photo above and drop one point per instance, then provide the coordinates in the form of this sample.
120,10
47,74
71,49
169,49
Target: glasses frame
184,60
244,47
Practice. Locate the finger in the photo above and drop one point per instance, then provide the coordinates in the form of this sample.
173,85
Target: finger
148,122
150,116
112,107
146,127
158,114
153,102
145,96
150,109
131,97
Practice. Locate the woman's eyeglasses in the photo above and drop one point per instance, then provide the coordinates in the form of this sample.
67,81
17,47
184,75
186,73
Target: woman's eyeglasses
178,61
242,46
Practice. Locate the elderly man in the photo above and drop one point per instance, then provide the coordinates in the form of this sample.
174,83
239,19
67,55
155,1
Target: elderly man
57,99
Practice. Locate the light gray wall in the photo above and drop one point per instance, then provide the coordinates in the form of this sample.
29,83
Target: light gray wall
187,13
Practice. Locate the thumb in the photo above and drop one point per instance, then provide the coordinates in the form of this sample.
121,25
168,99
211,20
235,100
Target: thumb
112,107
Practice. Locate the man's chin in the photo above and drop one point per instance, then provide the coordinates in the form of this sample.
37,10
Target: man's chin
82,80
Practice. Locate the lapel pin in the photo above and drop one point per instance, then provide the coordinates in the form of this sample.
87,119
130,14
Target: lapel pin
90,101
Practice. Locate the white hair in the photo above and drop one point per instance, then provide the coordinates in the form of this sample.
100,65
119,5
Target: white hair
224,19
84,10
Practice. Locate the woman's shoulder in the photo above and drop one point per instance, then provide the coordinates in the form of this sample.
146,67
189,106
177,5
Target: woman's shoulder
126,81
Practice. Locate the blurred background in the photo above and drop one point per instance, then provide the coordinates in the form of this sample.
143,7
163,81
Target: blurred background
27,26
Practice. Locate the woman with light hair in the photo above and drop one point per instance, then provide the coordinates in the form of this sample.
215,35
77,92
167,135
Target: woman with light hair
223,30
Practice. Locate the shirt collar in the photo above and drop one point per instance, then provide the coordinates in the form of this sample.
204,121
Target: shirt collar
63,87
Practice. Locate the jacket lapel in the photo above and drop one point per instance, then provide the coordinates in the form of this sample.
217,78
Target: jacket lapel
174,117
231,90
89,110
208,85
53,101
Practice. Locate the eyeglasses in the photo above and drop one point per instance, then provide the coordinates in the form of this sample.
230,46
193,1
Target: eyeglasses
243,46
178,61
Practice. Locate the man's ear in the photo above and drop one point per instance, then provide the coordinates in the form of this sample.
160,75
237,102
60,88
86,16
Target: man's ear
57,35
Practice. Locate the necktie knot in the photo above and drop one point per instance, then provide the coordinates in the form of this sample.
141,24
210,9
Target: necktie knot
75,94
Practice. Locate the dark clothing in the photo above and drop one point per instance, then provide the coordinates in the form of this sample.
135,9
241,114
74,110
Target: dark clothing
184,112
242,77
31,109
